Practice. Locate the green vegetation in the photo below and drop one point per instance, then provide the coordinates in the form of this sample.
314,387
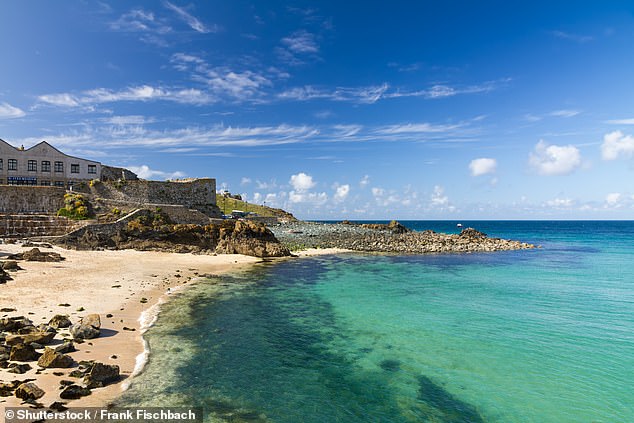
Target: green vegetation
227,204
75,207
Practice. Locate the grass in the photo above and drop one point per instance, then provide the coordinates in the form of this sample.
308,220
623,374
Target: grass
227,204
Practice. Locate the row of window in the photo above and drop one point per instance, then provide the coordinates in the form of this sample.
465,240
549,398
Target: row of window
33,182
45,166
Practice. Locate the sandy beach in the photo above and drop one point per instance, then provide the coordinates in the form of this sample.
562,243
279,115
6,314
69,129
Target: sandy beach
102,282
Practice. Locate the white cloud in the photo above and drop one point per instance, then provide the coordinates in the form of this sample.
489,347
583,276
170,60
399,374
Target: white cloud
572,37
308,197
364,181
414,128
617,144
482,166
365,95
190,20
554,159
128,120
621,121
64,99
613,198
560,203
301,42
565,113
302,182
245,181
341,192
438,197
8,111
378,192
145,172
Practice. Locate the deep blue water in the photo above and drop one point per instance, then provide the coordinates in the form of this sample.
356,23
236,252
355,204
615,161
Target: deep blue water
545,335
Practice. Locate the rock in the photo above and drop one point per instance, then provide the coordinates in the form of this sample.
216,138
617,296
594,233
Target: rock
80,331
6,390
74,392
29,391
60,321
397,228
19,368
92,320
65,348
472,233
23,352
43,327
37,337
4,276
36,255
12,324
101,374
51,358
58,406
10,266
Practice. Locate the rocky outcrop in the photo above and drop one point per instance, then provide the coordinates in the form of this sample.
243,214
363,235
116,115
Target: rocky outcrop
394,227
249,238
155,231
382,238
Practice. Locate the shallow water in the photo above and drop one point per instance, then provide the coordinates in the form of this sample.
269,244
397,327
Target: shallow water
529,336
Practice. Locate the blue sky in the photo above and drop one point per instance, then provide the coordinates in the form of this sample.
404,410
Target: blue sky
401,109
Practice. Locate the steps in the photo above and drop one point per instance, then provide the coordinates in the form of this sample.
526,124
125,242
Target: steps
33,225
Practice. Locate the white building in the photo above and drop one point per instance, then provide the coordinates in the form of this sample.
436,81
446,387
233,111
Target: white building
44,165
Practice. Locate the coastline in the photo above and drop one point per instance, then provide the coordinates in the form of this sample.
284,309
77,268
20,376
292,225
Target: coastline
107,282
101,282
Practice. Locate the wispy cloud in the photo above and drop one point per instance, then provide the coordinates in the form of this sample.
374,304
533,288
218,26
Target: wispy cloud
144,172
367,95
151,28
621,121
571,36
8,111
298,47
565,113
193,22
142,93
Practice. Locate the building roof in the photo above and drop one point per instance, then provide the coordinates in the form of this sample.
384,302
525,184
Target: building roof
46,144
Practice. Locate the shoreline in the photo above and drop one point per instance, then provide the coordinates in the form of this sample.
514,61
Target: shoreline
106,283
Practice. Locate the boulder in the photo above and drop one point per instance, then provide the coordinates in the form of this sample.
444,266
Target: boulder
472,233
29,391
4,276
74,392
51,358
23,352
37,337
12,324
101,374
10,266
6,390
36,255
43,327
92,320
60,321
65,348
81,331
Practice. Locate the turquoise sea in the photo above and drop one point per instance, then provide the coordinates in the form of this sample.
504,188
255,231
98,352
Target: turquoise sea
545,335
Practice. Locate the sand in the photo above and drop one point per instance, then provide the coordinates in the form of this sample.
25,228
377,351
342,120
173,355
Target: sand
103,282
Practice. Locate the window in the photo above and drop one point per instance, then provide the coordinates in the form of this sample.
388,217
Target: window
12,164
46,166
1,164
74,168
45,183
59,184
32,166
59,167
92,169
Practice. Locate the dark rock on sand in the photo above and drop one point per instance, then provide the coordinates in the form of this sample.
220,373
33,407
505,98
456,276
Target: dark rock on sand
29,391
41,338
60,321
10,266
12,324
65,348
23,352
74,392
4,276
36,255
19,368
80,331
101,374
51,358
58,406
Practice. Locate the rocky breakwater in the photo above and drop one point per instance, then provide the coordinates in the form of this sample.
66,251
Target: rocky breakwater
389,238
154,231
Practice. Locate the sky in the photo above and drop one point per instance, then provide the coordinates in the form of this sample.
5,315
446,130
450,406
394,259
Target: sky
339,110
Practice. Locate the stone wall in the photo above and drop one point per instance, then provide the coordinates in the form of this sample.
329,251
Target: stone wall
25,199
198,194
31,225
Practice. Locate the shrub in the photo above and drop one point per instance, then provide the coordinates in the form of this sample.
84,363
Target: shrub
75,207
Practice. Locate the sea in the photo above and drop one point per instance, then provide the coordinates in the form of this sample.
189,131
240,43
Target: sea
543,335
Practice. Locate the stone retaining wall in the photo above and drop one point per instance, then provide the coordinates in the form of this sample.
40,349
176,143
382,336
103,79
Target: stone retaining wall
29,199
